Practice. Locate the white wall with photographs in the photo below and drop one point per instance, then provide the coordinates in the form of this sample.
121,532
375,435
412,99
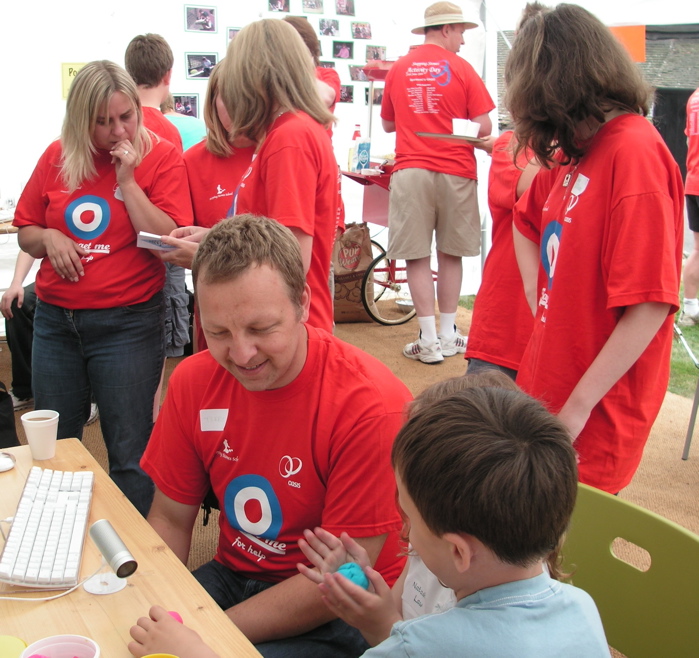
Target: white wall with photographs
81,31
34,49
78,31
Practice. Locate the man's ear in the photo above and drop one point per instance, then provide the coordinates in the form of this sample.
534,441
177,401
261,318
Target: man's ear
167,77
463,548
305,303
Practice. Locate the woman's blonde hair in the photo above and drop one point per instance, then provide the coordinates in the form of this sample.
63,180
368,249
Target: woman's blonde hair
217,138
267,70
89,95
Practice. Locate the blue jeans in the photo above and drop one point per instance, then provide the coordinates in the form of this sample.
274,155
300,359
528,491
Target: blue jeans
117,353
476,366
334,639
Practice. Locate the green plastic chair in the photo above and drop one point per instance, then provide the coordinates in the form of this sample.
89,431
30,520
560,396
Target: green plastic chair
653,613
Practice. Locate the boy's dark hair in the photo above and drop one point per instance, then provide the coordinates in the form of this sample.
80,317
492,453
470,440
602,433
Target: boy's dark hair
148,59
494,464
447,387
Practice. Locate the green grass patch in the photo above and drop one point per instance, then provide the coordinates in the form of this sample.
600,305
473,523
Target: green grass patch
683,372
467,301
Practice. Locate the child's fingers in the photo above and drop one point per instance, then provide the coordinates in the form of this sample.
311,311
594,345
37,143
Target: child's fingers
378,583
156,613
355,550
311,554
320,541
311,574
346,594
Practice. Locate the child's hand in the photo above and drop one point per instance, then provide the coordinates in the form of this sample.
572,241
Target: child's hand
327,553
160,633
373,613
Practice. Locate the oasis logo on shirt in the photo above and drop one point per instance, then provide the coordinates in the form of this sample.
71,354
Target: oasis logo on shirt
87,217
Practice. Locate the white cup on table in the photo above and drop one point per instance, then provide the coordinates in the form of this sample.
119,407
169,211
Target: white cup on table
465,128
41,429
60,646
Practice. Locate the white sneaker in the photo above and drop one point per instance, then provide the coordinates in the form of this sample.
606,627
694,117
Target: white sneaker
21,403
454,345
419,351
688,319
94,414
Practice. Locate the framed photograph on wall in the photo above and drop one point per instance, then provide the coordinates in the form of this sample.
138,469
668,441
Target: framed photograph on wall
357,73
200,19
346,94
232,32
361,30
376,52
327,65
328,27
279,5
187,104
345,7
343,49
378,95
313,6
200,65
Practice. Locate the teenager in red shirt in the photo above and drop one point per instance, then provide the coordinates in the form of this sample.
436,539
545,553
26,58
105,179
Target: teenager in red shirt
271,97
598,239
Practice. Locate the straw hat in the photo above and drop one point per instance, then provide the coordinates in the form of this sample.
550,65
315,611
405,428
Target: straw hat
443,13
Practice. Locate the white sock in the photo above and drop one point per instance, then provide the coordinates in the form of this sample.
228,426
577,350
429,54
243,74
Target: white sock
428,329
447,324
691,303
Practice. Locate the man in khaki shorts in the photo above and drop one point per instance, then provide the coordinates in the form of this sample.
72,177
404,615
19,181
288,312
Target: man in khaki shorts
433,186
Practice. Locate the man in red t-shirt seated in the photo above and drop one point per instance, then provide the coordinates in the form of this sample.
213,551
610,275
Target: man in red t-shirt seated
433,185
291,427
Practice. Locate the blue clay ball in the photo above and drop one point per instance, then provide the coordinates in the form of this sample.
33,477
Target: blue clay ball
354,572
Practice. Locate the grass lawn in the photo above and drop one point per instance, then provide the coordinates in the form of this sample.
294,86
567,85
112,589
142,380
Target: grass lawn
683,372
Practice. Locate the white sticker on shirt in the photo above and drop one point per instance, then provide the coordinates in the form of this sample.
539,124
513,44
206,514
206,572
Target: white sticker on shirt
213,420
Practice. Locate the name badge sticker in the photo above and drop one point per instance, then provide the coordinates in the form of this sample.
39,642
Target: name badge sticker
213,420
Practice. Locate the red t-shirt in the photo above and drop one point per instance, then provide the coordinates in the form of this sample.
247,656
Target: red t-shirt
117,272
502,320
213,181
610,235
313,453
293,179
424,91
156,121
692,132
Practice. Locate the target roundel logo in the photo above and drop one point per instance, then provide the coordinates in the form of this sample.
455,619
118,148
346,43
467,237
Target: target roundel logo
88,217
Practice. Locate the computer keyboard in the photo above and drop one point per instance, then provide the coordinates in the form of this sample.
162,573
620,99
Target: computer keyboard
45,542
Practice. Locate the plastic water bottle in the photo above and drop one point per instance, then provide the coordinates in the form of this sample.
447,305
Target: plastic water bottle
354,149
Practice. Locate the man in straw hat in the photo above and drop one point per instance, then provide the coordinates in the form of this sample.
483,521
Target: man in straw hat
433,186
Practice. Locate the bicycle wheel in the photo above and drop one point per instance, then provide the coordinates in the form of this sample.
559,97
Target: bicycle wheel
385,292
377,249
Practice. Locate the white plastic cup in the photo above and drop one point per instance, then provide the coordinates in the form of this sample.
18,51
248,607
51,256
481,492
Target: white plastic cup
63,646
465,128
41,428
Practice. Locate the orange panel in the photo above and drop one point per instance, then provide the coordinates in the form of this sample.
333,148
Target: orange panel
633,37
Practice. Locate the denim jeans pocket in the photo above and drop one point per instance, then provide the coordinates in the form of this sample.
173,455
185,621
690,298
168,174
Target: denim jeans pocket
155,303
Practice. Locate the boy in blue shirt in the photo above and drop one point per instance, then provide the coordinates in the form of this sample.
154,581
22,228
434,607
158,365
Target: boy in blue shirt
487,481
